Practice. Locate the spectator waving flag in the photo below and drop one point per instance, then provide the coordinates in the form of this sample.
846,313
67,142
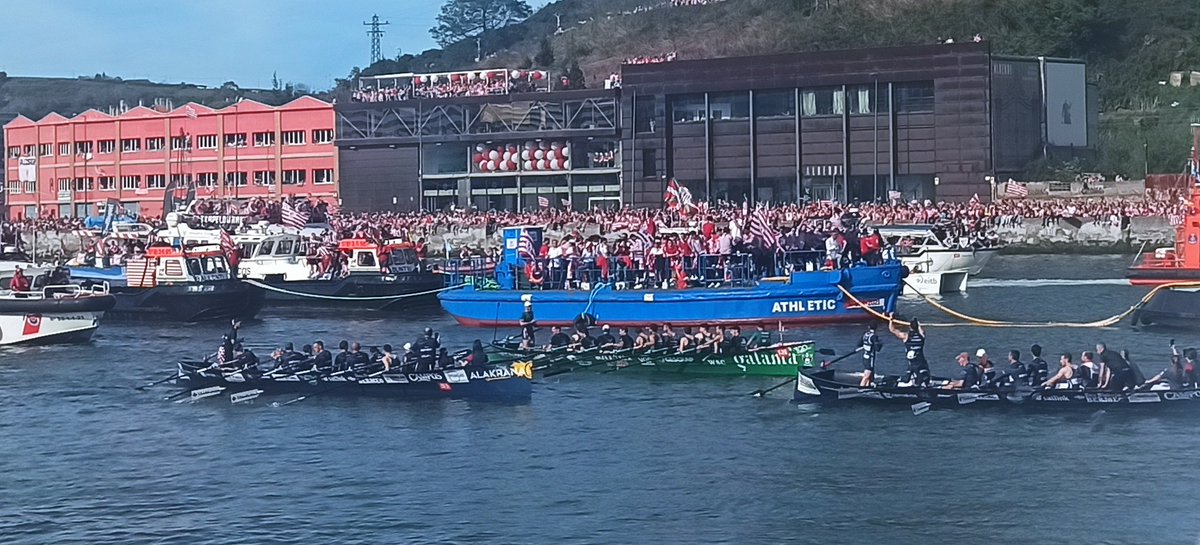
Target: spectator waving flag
672,197
1016,189
543,202
761,229
292,215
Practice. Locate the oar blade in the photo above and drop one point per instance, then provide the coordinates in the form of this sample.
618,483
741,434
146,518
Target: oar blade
196,395
246,396
921,408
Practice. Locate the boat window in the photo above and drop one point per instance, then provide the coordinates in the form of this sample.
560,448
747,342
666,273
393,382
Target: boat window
246,249
193,266
402,257
285,247
365,259
214,265
266,247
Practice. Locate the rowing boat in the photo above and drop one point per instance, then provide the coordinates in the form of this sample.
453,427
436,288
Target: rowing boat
830,386
779,360
496,381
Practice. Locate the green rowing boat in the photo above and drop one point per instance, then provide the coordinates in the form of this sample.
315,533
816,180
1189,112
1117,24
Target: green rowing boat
779,360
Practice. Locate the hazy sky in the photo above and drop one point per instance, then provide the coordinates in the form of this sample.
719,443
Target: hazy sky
208,41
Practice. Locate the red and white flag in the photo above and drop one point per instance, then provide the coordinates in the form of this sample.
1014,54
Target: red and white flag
1016,189
190,112
292,216
229,249
543,202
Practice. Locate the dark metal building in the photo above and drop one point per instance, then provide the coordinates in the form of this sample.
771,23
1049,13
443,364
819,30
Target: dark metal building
937,122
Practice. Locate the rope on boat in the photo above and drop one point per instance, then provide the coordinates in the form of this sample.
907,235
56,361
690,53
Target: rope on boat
982,322
277,289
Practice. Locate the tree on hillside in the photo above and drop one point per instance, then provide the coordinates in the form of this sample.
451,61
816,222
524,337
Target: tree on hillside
545,55
466,18
575,76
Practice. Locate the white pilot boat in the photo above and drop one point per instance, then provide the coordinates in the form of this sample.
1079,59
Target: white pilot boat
924,248
52,314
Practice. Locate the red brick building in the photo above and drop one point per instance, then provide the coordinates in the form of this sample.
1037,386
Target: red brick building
244,150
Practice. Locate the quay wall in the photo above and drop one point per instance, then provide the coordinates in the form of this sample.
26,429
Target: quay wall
1029,236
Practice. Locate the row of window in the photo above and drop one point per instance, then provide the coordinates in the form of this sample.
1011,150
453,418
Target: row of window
912,97
178,143
320,176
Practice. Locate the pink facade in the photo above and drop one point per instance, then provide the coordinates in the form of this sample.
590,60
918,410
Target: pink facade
244,150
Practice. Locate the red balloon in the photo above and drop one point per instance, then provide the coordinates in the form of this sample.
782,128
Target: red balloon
537,75
477,158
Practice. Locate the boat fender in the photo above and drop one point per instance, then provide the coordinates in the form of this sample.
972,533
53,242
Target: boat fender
904,272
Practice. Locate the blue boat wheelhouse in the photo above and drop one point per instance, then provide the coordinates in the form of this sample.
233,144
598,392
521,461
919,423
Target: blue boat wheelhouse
747,289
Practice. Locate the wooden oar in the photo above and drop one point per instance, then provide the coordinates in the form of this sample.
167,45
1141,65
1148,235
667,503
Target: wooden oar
653,352
760,392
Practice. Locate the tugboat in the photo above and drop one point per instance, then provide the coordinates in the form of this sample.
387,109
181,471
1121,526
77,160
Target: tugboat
725,290
1174,271
375,276
47,314
186,284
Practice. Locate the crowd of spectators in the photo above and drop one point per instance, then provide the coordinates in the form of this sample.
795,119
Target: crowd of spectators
382,94
651,59
455,85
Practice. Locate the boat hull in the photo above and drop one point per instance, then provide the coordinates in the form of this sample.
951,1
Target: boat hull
1157,276
49,328
1173,307
783,360
809,298
493,382
356,290
222,300
827,386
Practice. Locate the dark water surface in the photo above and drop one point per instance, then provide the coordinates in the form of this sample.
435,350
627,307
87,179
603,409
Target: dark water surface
611,459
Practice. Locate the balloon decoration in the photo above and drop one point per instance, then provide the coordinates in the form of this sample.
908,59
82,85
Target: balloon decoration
527,157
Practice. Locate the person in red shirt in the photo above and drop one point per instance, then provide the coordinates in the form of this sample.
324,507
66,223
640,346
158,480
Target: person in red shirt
871,247
19,281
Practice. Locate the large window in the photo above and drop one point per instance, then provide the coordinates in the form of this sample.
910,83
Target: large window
130,145
46,150
293,177
264,178
131,182
155,144
825,101
156,181
914,97
64,149
83,148
322,136
778,103
644,112
107,146
323,176
14,152
688,109
293,138
206,141
108,183
235,179
729,105
236,140
84,184
206,179
180,143
264,139
649,163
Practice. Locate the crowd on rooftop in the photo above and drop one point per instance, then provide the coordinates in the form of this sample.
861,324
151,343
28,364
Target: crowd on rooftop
455,85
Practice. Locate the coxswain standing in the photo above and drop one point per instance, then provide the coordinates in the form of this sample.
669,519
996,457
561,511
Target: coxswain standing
426,351
914,347
871,344
528,327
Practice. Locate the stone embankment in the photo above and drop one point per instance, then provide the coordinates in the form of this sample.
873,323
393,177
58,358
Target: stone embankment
1029,236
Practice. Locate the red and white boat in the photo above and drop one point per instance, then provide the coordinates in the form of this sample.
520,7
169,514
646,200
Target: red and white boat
1180,263
52,314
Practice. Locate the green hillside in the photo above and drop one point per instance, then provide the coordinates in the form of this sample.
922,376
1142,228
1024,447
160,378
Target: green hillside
36,97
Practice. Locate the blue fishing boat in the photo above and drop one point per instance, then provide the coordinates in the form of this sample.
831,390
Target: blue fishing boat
735,289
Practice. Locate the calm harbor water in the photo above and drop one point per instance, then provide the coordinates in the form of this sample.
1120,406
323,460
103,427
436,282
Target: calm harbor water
604,459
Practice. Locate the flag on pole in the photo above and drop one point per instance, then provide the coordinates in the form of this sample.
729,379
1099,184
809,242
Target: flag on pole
229,249
292,216
190,112
894,195
761,229
543,202
566,203
671,197
1016,189
526,249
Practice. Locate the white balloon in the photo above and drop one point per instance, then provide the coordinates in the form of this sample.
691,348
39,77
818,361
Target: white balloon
554,164
514,74
529,144
471,76
504,166
544,145
567,164
565,151
555,145
539,154
479,148
493,155
504,156
528,165
491,165
542,164
483,165
525,155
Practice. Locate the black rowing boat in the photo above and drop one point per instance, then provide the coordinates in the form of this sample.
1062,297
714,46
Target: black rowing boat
498,381
830,386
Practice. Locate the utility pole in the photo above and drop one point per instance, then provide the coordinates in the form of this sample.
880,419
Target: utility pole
375,33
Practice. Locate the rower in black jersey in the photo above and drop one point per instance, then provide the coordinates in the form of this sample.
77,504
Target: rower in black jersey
914,351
